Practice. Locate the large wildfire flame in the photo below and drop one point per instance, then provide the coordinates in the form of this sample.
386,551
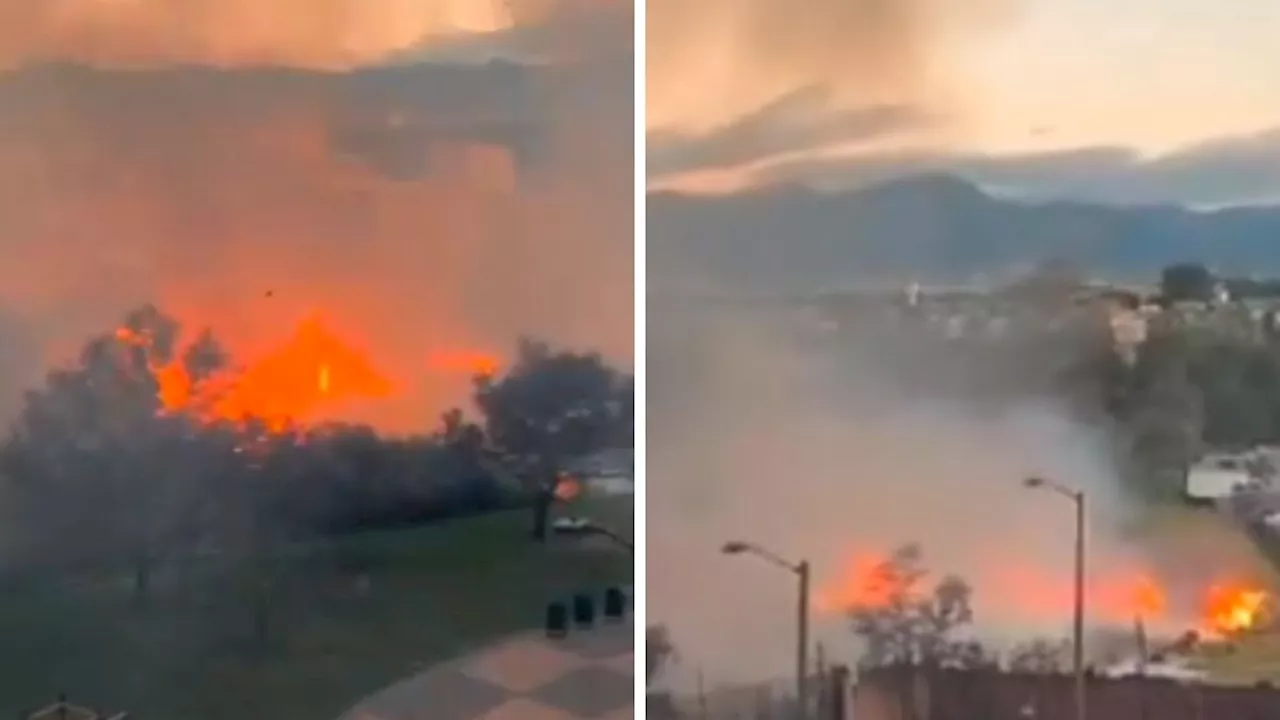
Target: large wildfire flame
431,211
308,378
1221,609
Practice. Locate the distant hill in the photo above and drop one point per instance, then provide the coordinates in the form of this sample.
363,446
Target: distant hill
942,228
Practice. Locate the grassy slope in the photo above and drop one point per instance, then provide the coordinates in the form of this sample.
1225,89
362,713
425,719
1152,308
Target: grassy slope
434,592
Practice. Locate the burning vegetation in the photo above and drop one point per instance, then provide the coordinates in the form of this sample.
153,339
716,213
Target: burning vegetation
881,434
422,215
337,227
169,470
184,446
901,619
304,380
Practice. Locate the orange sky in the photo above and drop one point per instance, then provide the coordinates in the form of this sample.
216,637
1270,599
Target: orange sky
313,33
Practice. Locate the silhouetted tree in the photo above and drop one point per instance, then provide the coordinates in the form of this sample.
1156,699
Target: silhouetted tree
94,456
551,407
908,623
1187,281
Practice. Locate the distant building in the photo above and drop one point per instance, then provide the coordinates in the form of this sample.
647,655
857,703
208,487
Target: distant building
1128,333
1221,295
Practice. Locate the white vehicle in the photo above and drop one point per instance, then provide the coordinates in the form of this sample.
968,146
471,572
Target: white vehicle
571,524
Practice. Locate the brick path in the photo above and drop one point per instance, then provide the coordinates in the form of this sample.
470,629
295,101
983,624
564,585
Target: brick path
588,674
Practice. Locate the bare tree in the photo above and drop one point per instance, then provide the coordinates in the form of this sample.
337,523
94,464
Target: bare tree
908,623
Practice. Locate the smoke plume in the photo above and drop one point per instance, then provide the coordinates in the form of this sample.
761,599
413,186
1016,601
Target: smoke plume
840,455
424,212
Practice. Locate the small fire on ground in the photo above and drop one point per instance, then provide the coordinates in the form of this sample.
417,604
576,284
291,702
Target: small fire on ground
1221,609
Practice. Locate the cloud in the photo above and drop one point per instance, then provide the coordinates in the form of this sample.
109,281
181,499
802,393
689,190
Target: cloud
557,31
1221,171
318,34
713,62
796,122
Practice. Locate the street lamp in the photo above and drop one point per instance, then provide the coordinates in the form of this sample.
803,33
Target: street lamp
801,571
1077,625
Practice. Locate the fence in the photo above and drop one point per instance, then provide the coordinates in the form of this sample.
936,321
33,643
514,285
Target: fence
763,701
904,693
991,694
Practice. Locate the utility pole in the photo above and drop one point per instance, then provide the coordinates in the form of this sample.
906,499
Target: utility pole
801,571
1077,624
802,640
1077,620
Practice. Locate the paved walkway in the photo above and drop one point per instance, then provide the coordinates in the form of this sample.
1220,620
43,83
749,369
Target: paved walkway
588,674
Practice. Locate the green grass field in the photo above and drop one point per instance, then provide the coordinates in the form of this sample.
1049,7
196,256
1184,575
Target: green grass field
431,593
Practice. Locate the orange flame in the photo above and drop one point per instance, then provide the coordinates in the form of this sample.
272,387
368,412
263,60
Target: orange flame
567,488
865,584
1149,599
1231,608
1031,592
309,374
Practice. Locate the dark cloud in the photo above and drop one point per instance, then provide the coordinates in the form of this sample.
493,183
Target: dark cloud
1221,171
796,122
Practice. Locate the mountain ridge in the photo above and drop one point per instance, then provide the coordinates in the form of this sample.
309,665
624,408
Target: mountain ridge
941,227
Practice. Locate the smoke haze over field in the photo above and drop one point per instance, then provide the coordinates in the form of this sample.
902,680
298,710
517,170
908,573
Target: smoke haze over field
765,444
834,457
839,454
424,212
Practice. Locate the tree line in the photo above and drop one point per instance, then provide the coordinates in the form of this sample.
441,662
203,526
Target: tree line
92,471
1193,387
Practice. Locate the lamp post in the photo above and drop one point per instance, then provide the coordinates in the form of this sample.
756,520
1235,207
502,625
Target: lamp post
1077,621
801,571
